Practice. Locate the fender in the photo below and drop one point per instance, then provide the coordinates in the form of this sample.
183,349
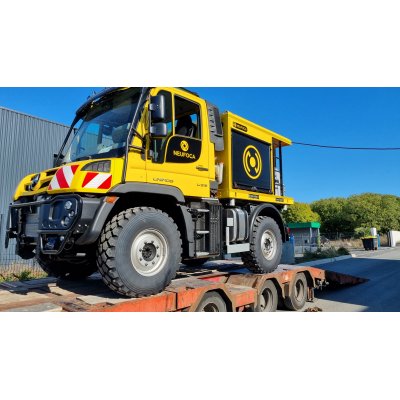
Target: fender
269,210
94,230
152,188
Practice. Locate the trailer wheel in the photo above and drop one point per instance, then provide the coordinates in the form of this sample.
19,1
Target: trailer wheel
265,246
298,294
268,298
212,302
139,252
67,269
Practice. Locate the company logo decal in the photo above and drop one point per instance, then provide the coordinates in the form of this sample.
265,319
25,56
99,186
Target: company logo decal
183,150
252,162
184,145
240,127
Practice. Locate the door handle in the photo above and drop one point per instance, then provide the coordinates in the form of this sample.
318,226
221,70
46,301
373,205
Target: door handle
201,168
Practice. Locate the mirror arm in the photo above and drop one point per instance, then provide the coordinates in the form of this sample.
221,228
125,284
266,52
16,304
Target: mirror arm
138,134
138,148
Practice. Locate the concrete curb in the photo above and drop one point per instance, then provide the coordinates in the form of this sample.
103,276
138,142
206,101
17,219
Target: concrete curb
324,261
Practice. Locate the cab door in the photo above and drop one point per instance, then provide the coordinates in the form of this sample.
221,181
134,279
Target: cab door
181,158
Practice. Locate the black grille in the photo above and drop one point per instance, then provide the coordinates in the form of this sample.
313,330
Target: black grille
215,228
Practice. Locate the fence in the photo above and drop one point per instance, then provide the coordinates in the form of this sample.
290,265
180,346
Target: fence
13,267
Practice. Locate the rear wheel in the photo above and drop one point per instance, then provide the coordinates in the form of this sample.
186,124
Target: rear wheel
265,246
212,302
268,298
139,252
298,294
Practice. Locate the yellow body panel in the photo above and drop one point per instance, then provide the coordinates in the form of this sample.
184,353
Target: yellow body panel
187,177
226,190
76,185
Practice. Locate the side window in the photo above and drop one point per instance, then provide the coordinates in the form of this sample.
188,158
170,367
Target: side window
183,141
187,118
157,148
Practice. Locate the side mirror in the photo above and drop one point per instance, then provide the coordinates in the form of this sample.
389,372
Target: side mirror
157,108
159,129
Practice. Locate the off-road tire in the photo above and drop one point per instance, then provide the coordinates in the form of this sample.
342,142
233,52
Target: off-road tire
298,293
74,269
254,260
212,302
115,249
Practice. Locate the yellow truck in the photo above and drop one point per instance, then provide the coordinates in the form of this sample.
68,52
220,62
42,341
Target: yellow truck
147,179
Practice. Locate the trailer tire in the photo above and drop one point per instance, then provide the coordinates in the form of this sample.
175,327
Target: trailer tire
212,302
298,294
67,269
139,252
265,246
268,298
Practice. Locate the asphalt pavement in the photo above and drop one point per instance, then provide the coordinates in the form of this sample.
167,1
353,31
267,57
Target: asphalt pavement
380,293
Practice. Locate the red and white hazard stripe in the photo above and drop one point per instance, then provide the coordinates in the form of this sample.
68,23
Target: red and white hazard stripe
95,180
63,177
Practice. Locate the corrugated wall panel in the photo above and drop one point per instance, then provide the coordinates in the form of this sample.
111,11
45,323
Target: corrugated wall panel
27,145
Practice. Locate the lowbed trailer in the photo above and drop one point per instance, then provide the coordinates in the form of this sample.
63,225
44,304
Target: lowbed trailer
223,286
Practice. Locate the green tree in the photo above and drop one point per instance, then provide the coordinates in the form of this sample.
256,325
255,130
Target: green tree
389,218
355,213
362,211
300,212
331,213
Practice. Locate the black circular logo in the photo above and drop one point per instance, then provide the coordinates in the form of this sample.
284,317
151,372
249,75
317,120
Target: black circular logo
252,162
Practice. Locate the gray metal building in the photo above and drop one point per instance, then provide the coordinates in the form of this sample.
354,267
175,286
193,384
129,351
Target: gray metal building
27,145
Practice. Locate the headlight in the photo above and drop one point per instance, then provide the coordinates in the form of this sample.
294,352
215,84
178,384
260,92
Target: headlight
34,181
98,166
68,205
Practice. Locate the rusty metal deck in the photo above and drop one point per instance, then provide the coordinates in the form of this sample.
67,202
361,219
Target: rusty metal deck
183,294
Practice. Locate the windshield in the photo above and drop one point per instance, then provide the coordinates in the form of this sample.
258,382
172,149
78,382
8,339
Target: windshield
103,130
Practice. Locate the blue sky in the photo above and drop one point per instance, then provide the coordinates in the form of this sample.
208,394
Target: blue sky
367,117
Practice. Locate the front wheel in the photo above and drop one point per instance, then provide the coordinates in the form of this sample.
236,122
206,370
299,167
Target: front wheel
265,246
139,252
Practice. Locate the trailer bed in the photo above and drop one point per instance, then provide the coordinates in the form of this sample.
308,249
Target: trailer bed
238,287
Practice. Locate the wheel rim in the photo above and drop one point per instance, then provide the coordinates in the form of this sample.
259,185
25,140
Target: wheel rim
269,245
210,307
299,290
266,300
149,252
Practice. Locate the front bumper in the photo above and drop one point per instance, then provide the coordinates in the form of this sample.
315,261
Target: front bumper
49,225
